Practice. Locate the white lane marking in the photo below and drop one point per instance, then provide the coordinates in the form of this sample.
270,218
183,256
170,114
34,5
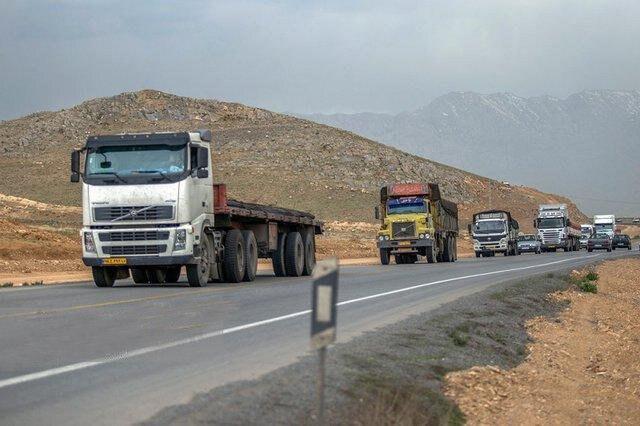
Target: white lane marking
142,351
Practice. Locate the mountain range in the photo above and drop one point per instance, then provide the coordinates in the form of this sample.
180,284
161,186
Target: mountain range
586,146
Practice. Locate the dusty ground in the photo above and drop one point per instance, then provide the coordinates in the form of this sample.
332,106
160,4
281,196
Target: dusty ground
582,367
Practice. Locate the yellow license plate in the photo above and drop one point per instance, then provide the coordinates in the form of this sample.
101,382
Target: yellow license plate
404,243
115,261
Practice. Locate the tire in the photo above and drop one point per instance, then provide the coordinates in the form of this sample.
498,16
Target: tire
277,258
589,250
399,259
104,277
446,253
173,274
157,275
455,248
309,252
198,273
478,254
384,256
412,258
139,275
430,257
233,259
608,250
250,255
294,254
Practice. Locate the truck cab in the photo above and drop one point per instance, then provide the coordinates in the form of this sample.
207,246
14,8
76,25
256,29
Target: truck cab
494,231
555,229
605,224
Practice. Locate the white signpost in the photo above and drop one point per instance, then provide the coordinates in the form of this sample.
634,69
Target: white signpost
324,298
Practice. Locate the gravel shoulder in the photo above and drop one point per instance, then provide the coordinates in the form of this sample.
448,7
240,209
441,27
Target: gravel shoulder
582,367
394,374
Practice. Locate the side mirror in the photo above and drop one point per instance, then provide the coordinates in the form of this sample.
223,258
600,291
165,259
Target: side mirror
203,158
75,166
469,228
202,173
376,212
535,225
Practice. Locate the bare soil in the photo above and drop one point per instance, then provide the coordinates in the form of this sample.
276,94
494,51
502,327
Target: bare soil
582,367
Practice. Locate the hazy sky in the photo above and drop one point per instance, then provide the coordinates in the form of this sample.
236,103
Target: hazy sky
306,56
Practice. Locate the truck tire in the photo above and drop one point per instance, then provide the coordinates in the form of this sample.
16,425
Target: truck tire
277,259
399,258
294,254
478,254
173,274
309,253
233,260
412,258
104,277
157,275
454,244
446,253
384,256
198,273
250,255
430,256
139,275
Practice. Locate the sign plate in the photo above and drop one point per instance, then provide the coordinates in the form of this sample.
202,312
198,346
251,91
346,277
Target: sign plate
324,298
115,261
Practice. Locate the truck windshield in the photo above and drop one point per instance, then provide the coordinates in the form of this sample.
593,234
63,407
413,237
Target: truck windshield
527,238
126,162
406,205
551,222
489,227
603,227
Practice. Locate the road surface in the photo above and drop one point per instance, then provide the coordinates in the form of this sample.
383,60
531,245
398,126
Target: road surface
77,354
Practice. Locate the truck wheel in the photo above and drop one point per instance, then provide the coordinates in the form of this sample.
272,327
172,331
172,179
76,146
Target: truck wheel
104,277
277,259
455,249
157,275
198,273
234,261
294,255
399,258
173,274
309,253
250,255
446,253
430,257
384,256
139,275
478,254
412,258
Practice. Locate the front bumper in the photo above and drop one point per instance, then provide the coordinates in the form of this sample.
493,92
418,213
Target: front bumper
143,261
490,247
414,245
528,249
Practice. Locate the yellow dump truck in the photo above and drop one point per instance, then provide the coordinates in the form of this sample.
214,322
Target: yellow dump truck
416,221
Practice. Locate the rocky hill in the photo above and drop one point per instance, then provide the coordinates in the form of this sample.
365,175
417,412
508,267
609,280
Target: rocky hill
585,145
264,157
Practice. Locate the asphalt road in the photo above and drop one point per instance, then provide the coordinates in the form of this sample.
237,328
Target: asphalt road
77,354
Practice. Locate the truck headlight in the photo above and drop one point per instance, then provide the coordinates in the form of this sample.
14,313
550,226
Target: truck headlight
381,237
89,245
386,237
180,242
421,236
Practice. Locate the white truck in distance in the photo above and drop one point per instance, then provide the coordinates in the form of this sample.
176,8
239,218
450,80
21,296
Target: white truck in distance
586,229
150,207
605,224
555,229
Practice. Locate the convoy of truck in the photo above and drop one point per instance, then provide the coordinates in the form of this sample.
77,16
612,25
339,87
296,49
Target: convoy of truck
151,208
416,221
494,231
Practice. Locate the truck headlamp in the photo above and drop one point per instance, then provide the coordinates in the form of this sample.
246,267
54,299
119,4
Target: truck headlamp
381,237
421,236
386,237
89,244
180,242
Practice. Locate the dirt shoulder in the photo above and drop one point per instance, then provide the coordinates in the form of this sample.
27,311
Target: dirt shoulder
582,367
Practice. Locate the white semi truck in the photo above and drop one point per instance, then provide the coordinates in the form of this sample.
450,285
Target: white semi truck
150,208
605,224
555,229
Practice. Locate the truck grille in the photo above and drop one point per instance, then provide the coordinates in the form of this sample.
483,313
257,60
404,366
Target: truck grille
132,250
134,236
551,237
403,229
134,213
489,238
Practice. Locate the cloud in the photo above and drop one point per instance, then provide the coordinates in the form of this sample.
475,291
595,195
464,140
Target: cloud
308,56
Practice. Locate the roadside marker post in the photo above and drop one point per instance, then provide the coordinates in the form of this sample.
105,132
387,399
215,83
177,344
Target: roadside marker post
324,312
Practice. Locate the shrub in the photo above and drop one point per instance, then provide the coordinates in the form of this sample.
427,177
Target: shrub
592,276
588,286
